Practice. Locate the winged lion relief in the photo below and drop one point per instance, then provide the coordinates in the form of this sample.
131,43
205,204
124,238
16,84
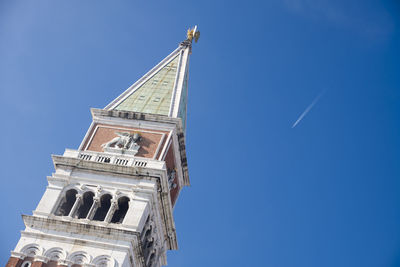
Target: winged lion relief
123,143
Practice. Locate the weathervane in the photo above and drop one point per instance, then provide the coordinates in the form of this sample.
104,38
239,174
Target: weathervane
193,33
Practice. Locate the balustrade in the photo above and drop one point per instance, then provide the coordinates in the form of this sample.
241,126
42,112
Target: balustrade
109,158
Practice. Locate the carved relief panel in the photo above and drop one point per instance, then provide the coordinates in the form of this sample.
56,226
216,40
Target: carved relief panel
128,141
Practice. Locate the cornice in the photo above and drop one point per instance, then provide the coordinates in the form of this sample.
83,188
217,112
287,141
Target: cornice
130,115
106,167
60,225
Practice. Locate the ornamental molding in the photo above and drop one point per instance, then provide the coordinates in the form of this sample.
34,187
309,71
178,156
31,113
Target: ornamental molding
129,115
62,257
19,255
61,225
124,188
67,239
41,258
132,171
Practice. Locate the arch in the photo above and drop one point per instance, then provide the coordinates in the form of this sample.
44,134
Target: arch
55,254
148,232
79,257
67,203
104,261
86,204
147,246
101,212
32,250
152,257
145,228
73,186
119,214
26,263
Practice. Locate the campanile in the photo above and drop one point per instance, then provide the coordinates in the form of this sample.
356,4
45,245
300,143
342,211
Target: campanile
110,202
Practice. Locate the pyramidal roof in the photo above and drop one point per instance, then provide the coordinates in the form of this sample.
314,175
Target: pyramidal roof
162,90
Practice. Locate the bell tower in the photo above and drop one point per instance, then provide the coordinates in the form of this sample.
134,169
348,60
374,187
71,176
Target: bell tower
110,202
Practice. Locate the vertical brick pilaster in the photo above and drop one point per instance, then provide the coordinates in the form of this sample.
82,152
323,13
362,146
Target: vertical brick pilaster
38,264
14,262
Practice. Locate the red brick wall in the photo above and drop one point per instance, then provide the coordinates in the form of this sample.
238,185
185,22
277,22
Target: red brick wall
170,162
148,144
14,262
38,264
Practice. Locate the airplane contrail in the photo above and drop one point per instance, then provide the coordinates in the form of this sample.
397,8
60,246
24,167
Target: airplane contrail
308,108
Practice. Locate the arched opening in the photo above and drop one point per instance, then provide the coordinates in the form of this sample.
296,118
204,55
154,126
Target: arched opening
148,232
79,259
147,241
152,258
146,235
87,202
150,243
101,212
67,203
119,215
54,255
103,261
144,229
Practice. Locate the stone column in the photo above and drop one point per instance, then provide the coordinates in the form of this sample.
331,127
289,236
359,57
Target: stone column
153,251
95,205
16,259
39,261
76,205
111,210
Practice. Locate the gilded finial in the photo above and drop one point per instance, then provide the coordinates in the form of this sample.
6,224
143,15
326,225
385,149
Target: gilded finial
193,33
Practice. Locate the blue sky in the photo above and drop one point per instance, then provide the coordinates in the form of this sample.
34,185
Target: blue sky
324,193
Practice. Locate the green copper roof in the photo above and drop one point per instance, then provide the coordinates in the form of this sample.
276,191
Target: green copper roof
183,100
153,96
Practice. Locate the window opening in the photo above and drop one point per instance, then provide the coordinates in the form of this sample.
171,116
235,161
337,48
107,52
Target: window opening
119,215
148,232
150,243
101,212
87,202
152,258
68,202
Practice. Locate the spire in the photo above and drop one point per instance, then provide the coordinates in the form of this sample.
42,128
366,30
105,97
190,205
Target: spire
163,90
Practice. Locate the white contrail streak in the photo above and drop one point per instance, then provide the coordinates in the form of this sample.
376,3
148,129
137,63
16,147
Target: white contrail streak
308,108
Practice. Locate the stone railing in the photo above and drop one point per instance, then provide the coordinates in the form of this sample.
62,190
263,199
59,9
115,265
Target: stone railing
114,159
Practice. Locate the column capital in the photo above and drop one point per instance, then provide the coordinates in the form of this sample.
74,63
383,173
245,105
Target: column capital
41,258
64,262
18,255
